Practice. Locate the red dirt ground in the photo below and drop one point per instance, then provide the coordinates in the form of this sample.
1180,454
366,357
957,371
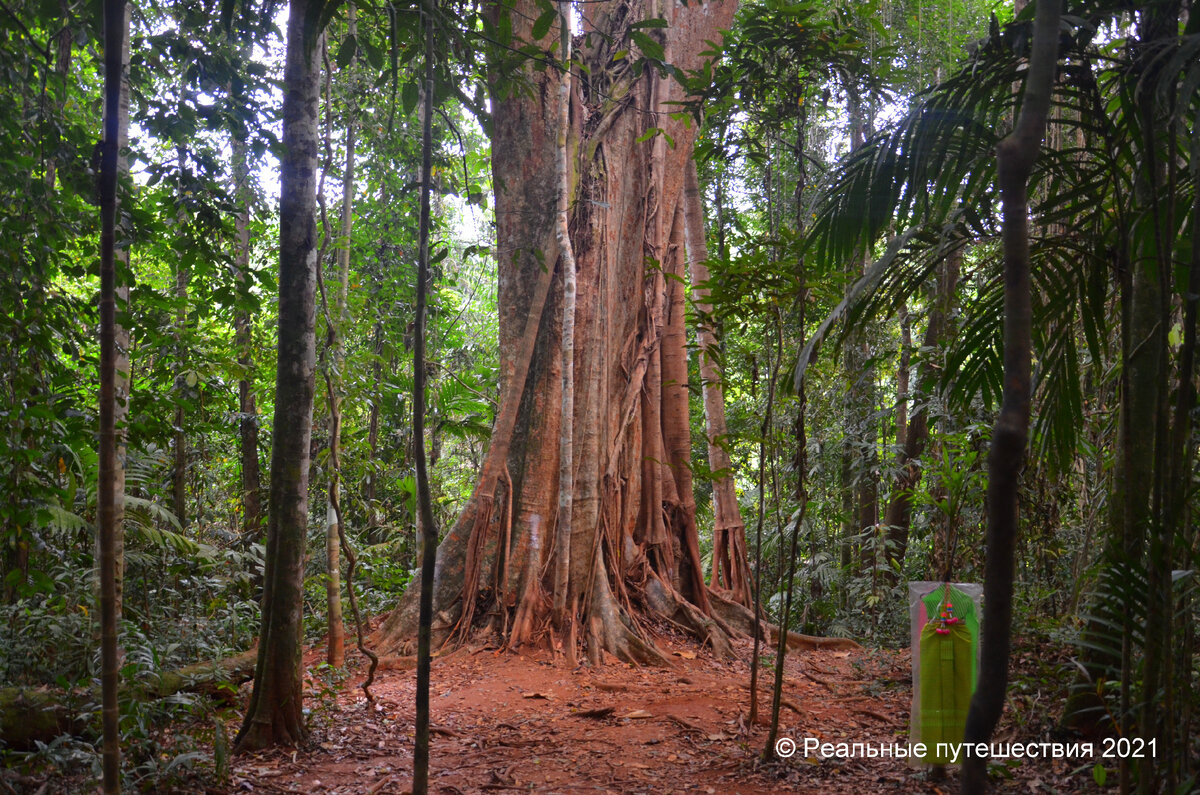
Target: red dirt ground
515,722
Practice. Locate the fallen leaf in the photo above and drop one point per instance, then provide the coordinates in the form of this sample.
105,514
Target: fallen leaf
638,714
602,712
611,687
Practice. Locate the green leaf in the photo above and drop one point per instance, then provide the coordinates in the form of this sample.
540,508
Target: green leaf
649,47
541,25
347,51
409,96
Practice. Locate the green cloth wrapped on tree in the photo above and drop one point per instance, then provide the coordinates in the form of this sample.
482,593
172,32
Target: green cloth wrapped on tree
947,671
964,609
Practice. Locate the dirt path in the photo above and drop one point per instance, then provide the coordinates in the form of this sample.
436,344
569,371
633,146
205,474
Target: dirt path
505,722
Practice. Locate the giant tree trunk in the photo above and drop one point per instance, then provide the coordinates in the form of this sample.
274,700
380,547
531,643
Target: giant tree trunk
633,534
275,715
730,564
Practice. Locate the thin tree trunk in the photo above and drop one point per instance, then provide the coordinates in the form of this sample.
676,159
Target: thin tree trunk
243,340
242,329
764,430
335,342
116,27
62,68
275,716
429,534
730,566
788,570
898,517
902,385
374,531
179,443
1015,156
860,471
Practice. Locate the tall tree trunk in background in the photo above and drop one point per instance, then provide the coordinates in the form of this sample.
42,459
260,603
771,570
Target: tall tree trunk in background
860,461
626,210
243,338
429,533
275,715
109,490
122,379
179,444
244,342
902,381
62,68
801,460
799,428
374,531
730,563
337,322
898,517
1015,156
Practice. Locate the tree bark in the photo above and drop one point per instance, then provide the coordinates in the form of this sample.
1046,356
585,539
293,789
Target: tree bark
730,563
1015,156
275,716
562,233
898,517
179,443
243,341
624,210
62,68
335,343
429,533
902,380
861,471
111,486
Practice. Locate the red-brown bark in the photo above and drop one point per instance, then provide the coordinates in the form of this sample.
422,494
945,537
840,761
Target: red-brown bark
633,516
730,563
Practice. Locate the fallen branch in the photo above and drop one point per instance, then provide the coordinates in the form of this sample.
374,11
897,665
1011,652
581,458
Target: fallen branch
29,715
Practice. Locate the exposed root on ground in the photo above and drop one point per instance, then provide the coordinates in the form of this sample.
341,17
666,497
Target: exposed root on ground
670,605
742,619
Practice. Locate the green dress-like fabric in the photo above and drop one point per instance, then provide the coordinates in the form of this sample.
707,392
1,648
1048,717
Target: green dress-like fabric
964,609
948,673
946,662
